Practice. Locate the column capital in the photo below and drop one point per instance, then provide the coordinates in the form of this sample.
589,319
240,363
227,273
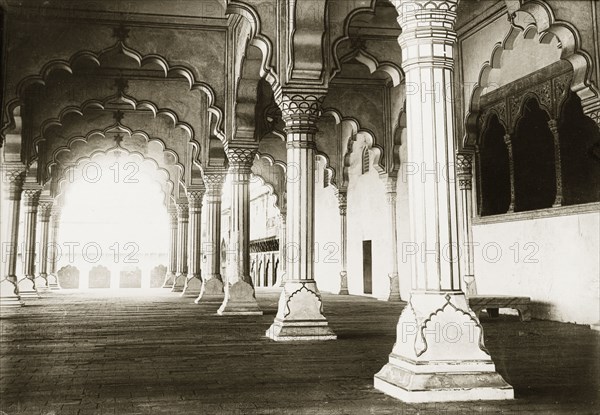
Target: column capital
172,212
45,209
194,196
427,22
214,179
300,108
14,176
31,197
464,170
342,196
240,158
182,210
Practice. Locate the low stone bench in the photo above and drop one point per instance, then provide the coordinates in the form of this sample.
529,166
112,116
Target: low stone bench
492,303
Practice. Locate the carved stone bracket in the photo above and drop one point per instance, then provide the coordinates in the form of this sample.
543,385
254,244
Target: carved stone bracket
343,201
14,177
241,158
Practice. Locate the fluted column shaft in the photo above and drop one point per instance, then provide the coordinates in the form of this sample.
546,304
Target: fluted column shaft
194,233
393,276
300,312
31,199
464,170
343,206
558,199
511,170
12,185
54,251
172,264
182,251
282,247
427,364
44,211
214,189
239,290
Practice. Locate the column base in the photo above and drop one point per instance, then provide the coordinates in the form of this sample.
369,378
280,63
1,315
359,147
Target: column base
169,277
178,283
343,283
53,282
41,283
239,300
300,314
9,294
193,285
212,289
27,288
439,355
394,296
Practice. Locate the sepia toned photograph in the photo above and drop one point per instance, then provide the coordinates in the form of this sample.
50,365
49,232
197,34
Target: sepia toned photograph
299,207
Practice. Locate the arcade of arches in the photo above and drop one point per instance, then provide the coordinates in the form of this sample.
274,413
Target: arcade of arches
442,155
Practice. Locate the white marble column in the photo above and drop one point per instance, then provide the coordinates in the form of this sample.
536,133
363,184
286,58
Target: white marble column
193,282
212,283
558,198
239,291
30,198
44,211
464,173
281,271
393,275
54,249
172,264
300,313
12,185
439,353
182,239
342,196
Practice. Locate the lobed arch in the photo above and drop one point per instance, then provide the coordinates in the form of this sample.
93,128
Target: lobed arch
104,105
273,175
167,185
528,19
94,59
68,148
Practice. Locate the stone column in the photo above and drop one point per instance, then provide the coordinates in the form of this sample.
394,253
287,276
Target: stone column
182,239
212,283
172,265
31,198
300,313
342,196
553,124
12,185
44,211
239,291
439,353
393,276
193,282
54,250
464,172
282,246
511,169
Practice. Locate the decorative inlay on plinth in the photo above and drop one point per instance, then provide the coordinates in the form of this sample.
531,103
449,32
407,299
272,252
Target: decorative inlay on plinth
300,314
239,300
439,354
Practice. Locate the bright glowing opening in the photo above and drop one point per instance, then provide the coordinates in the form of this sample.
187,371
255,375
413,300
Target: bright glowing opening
114,216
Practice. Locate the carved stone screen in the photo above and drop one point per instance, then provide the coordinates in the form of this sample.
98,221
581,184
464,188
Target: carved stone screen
99,277
68,277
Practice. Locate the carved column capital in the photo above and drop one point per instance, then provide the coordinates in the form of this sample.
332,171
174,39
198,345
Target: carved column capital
300,109
172,211
464,170
194,197
214,182
45,210
240,158
182,211
31,197
595,116
342,196
13,177
427,22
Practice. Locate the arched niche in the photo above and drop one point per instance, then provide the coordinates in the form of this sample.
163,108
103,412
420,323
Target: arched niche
580,154
494,169
533,155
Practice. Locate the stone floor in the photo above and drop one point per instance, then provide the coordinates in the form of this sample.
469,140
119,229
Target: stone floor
154,352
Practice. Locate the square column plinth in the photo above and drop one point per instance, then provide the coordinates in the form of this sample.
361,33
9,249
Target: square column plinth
439,354
300,314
